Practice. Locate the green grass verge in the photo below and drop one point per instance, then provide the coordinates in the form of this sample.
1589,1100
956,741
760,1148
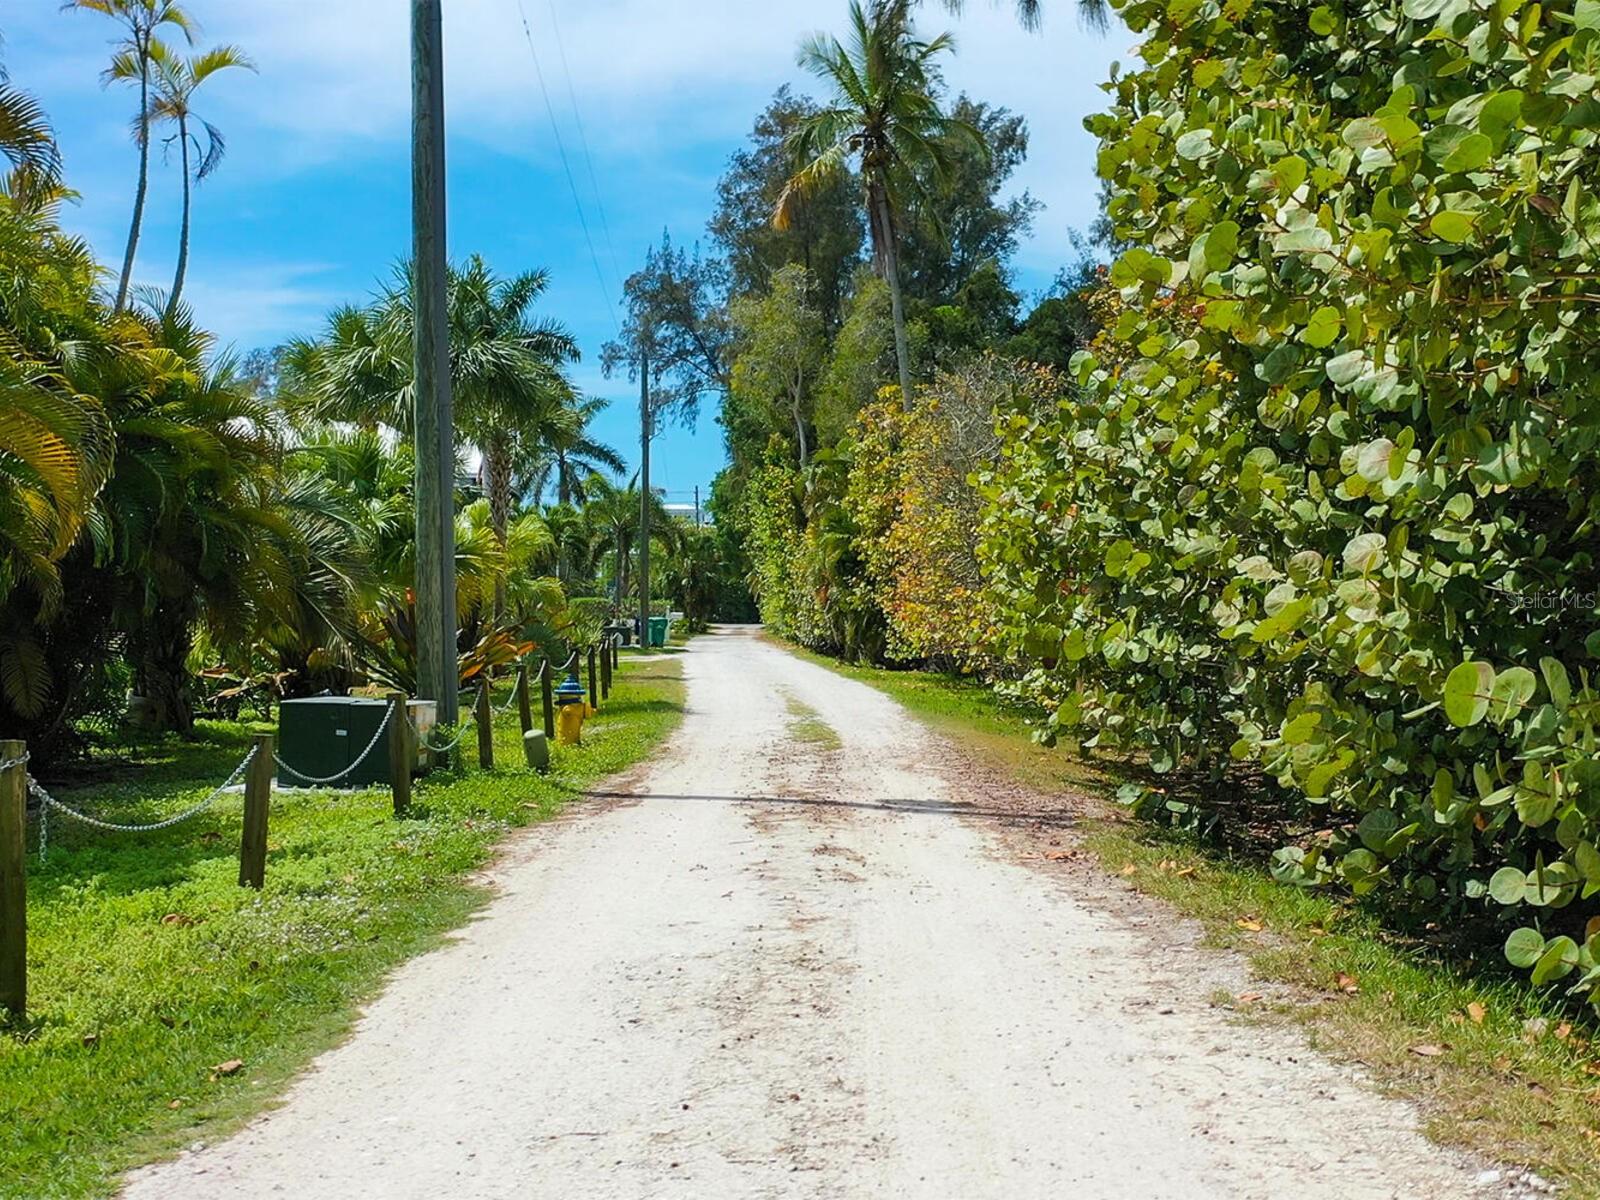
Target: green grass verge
149,966
806,725
1498,1068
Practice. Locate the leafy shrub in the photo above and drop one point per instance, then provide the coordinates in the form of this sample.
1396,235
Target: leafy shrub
1328,496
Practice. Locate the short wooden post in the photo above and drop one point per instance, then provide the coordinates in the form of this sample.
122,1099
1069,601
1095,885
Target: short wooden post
257,798
13,882
548,695
402,757
616,651
605,669
485,722
524,700
594,690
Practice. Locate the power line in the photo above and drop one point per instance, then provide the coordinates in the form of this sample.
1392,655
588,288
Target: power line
583,140
566,166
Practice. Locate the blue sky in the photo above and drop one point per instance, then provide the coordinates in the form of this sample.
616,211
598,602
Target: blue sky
312,206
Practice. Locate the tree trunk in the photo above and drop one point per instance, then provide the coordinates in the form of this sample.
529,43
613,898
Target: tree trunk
183,229
563,490
799,427
144,177
888,261
497,468
162,672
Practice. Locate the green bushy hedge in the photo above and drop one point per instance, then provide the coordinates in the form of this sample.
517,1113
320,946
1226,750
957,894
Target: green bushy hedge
1327,500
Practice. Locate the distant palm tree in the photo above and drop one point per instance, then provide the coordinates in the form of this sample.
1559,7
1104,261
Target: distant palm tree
176,81
133,62
612,514
572,454
885,112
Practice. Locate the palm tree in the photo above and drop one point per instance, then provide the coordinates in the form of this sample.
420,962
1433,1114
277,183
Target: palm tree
506,372
885,112
27,140
613,514
1031,12
572,454
133,62
176,81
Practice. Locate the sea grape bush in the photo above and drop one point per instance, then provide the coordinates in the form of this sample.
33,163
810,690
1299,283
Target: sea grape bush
1325,500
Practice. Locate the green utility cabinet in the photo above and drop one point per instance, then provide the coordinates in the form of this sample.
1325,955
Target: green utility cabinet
322,735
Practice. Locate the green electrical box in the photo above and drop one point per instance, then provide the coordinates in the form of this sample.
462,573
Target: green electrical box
321,736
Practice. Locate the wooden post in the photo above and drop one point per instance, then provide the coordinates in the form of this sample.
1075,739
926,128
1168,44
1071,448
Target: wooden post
524,700
605,668
549,698
13,882
433,420
257,798
594,690
401,754
616,651
485,721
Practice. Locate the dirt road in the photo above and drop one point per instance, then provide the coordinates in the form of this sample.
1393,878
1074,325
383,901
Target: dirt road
796,969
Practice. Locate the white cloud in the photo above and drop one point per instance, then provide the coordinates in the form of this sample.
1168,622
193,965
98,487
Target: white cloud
651,76
253,304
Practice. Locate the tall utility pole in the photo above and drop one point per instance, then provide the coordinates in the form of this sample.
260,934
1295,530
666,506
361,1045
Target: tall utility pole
434,423
644,495
697,506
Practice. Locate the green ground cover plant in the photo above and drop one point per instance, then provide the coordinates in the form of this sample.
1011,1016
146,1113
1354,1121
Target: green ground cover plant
168,1004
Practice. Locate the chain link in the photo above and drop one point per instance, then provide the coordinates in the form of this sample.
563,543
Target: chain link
20,761
314,781
47,802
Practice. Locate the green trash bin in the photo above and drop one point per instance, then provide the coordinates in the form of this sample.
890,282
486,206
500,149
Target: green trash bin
658,631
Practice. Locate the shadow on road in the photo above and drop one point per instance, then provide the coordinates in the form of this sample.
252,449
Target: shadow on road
937,808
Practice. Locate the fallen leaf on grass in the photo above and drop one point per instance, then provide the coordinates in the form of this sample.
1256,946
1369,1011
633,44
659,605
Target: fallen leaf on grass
232,1067
1061,855
1248,997
179,919
1129,869
1428,1050
1563,1031
1348,984
1250,923
1477,1012
176,1104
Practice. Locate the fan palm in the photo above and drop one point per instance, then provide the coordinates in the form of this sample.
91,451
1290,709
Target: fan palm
885,114
177,79
133,63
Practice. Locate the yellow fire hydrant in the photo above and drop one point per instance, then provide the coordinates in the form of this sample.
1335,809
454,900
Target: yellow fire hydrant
571,708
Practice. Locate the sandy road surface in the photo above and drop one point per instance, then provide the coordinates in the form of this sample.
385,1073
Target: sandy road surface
844,988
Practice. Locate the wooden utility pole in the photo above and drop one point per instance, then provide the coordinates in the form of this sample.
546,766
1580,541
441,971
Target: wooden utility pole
697,506
433,423
13,882
644,495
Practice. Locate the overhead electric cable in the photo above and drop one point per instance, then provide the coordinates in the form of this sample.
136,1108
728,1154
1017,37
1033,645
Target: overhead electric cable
566,166
583,140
